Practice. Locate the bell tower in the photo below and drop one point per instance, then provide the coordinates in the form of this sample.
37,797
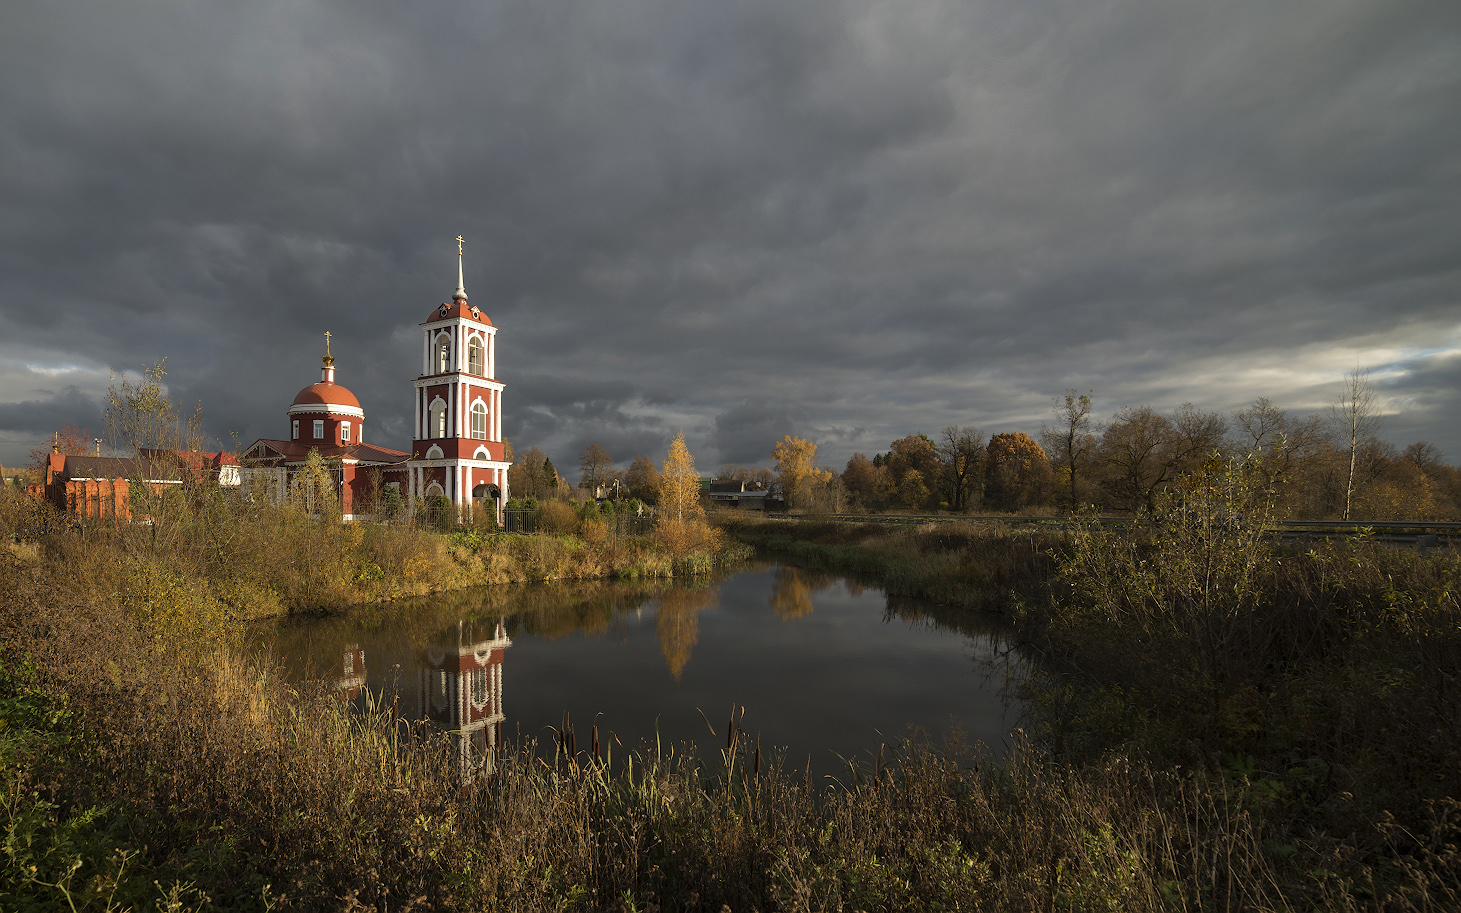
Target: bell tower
456,449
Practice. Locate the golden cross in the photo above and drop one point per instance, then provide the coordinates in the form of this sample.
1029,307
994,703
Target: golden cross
459,246
327,342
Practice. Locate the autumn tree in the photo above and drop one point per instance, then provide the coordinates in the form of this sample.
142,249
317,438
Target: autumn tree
860,478
1017,472
643,479
69,441
962,451
679,484
681,526
1070,444
797,470
595,463
526,477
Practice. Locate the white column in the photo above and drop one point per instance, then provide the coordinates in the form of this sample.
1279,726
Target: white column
426,352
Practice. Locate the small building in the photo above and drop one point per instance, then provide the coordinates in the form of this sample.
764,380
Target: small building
100,488
737,494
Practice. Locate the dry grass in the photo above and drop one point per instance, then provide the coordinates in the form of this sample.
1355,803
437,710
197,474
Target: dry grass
215,779
1311,763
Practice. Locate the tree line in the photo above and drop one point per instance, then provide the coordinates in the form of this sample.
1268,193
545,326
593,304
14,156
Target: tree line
1317,466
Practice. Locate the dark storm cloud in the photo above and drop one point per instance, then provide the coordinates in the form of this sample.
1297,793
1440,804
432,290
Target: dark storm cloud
850,221
746,433
38,418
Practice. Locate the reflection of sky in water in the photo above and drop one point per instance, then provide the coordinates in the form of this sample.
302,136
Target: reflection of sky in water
820,665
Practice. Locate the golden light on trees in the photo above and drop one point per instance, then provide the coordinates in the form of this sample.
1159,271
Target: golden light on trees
679,484
1017,471
796,468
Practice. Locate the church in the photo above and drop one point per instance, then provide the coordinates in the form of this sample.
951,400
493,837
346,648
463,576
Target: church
456,447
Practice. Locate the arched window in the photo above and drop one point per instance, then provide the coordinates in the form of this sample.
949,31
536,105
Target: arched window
474,355
479,420
443,354
438,419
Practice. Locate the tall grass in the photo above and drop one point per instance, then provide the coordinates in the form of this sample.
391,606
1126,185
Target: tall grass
195,778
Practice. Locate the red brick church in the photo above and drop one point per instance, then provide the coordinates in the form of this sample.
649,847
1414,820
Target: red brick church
456,450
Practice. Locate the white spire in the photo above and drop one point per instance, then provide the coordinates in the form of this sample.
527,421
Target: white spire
461,292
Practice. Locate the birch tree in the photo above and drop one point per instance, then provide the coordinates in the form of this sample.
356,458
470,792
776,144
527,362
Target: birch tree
1356,420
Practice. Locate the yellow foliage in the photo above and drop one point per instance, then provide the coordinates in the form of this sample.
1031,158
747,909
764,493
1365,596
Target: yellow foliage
683,537
679,484
796,466
593,530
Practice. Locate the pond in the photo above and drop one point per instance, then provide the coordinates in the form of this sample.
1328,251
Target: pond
813,663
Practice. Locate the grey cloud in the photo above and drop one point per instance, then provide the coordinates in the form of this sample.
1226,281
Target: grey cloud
852,219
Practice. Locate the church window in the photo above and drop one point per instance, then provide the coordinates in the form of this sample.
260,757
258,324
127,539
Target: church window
438,419
345,432
479,420
443,354
294,429
474,355
319,429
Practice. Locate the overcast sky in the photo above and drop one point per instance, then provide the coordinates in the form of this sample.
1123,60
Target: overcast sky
744,218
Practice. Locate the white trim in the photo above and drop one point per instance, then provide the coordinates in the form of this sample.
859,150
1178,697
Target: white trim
332,408
436,380
482,454
439,322
443,462
440,454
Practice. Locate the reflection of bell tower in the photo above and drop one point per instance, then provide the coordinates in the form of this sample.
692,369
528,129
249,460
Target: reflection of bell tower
352,672
461,691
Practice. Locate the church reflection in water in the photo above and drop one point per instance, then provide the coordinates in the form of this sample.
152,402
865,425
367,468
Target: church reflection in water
457,689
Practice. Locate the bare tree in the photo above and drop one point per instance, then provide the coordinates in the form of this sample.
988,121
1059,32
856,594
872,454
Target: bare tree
1356,420
1426,456
595,463
1134,451
962,450
1070,443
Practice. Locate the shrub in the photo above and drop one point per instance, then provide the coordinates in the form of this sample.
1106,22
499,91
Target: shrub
557,518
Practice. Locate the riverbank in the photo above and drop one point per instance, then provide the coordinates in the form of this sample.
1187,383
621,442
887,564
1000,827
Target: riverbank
1243,728
147,765
225,557
1315,687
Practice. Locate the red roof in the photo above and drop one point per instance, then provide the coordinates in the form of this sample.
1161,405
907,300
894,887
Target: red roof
457,309
328,393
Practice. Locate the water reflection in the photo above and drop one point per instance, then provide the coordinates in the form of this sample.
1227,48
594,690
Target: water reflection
677,625
459,688
791,591
351,682
820,662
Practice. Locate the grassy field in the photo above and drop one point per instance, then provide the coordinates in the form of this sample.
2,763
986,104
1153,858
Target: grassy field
1229,726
